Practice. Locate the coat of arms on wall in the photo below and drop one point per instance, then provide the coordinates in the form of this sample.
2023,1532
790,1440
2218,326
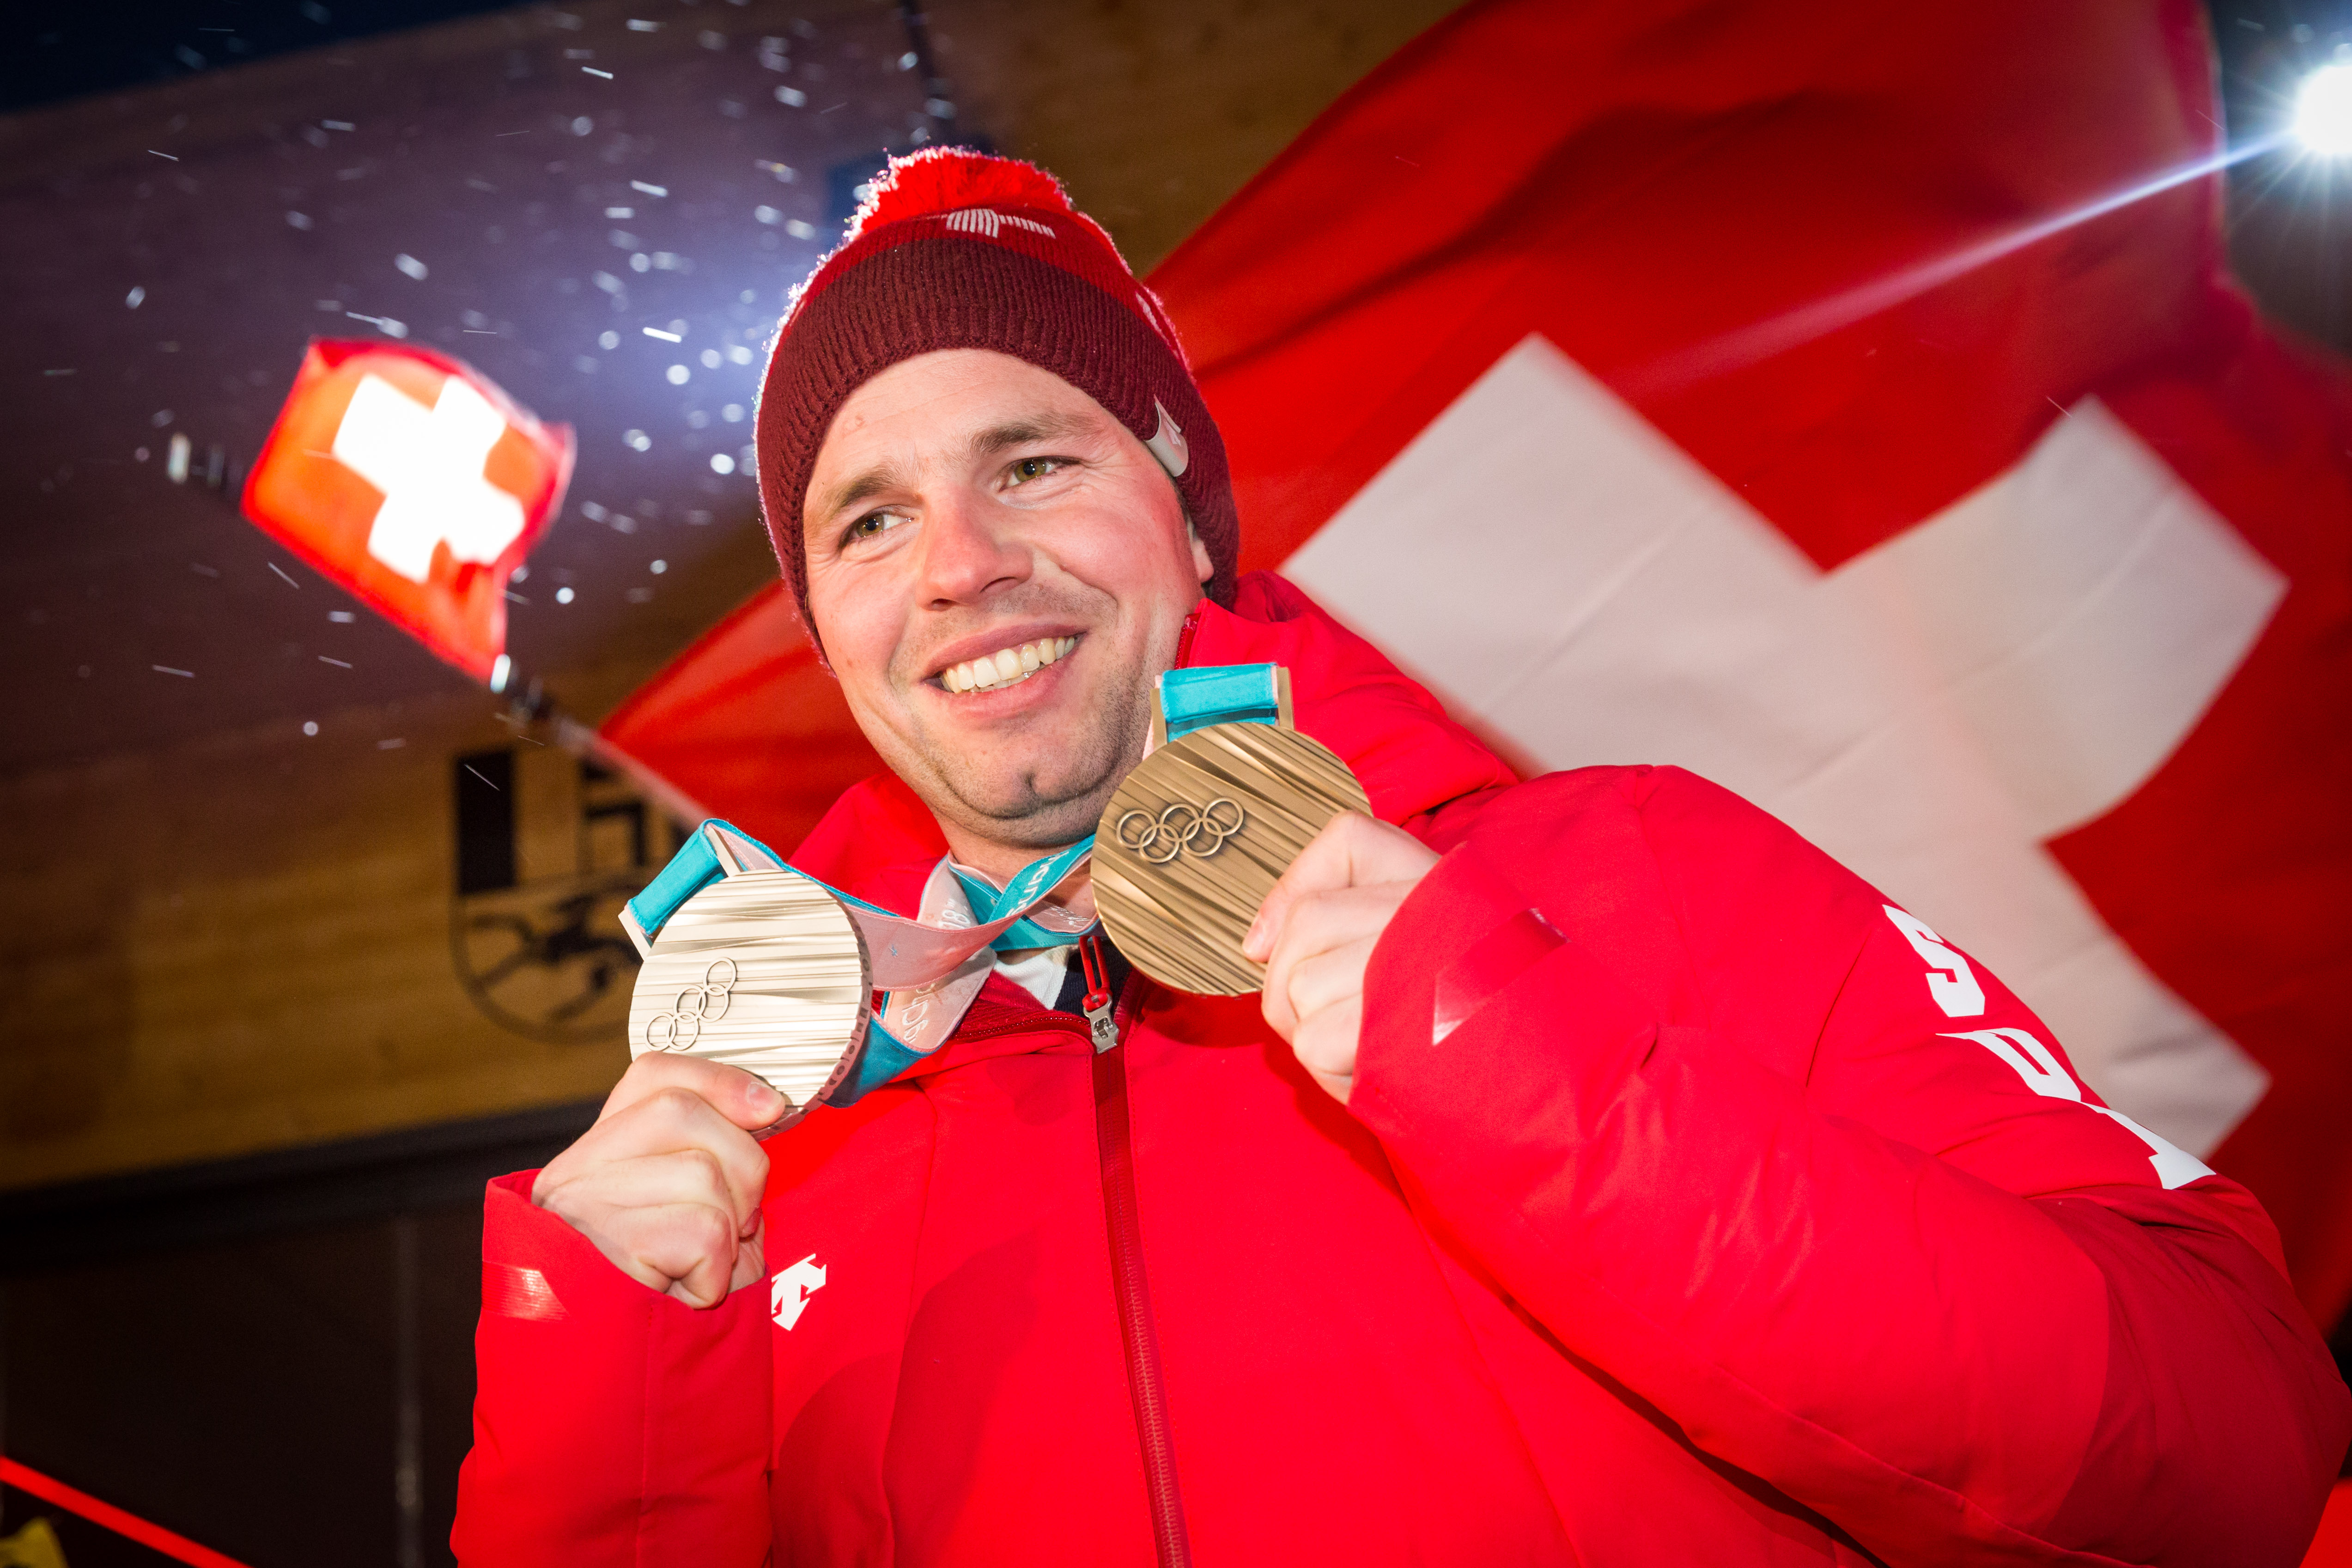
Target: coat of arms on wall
547,849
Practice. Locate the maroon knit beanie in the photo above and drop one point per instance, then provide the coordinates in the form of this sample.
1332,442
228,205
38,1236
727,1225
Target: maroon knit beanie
958,250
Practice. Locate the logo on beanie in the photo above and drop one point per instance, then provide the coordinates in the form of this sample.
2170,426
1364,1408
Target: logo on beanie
986,223
1168,444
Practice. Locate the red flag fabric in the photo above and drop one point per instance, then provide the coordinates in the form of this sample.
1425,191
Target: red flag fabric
1851,406
410,479
747,722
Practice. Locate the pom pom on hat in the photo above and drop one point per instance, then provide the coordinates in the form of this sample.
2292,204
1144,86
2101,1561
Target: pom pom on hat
947,179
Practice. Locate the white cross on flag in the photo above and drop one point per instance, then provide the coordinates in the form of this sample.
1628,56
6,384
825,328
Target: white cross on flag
1732,386
414,481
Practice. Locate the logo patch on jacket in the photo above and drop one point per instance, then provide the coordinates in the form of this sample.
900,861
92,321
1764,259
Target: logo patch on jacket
788,1298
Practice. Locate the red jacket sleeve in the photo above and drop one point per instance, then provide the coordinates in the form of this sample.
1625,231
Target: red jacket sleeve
612,1424
1764,1149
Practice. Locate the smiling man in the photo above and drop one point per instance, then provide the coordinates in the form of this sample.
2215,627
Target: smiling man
1604,1174
999,569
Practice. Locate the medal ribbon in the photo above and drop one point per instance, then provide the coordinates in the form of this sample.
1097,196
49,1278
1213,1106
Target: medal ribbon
933,965
1195,698
910,952
902,951
924,1014
930,967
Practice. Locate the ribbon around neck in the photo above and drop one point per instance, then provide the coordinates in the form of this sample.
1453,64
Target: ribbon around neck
913,952
932,966
902,951
989,905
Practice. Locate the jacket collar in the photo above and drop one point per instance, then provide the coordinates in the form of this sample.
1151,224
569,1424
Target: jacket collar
879,841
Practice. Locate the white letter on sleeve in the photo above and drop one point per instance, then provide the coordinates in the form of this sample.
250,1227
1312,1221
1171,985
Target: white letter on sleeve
1950,980
2037,1065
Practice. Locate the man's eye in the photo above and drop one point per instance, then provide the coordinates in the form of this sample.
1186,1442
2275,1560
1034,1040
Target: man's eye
1029,468
873,525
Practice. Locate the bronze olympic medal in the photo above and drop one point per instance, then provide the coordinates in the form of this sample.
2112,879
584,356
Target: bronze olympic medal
1195,838
763,969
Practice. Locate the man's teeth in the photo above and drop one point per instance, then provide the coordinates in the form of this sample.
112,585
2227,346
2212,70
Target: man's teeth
1006,665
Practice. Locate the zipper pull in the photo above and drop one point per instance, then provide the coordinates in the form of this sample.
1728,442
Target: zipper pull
1096,1003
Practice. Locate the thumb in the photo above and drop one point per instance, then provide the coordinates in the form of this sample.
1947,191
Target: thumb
751,1103
742,1099
1327,863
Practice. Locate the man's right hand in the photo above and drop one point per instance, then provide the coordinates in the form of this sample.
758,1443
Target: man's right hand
667,1183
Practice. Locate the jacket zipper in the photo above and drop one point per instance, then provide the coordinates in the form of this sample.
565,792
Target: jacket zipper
1145,1387
1145,1384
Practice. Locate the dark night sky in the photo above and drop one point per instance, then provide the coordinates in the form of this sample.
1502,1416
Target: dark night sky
60,51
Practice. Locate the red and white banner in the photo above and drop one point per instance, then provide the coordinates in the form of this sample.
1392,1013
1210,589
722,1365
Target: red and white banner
412,481
1850,405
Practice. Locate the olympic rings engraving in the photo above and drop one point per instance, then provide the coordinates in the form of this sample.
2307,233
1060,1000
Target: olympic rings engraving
679,1029
1181,829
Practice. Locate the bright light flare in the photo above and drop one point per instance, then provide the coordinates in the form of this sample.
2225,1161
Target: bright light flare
2322,111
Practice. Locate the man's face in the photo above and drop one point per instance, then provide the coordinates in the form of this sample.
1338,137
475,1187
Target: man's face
998,570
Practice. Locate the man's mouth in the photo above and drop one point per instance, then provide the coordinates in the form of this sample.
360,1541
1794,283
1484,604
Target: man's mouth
1006,665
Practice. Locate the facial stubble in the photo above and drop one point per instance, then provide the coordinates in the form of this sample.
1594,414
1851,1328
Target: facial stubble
1040,811
1053,797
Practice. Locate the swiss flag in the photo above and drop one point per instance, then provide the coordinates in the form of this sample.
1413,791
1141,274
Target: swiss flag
411,479
1848,402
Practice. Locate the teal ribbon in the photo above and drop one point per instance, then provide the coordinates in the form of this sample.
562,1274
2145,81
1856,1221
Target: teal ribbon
987,903
1194,700
1190,699
696,866
885,1058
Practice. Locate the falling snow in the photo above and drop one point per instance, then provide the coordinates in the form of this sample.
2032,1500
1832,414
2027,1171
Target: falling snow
489,209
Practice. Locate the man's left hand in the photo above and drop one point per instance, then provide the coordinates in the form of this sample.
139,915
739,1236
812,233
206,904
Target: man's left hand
1316,932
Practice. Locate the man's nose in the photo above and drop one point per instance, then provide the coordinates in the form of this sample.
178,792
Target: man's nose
968,552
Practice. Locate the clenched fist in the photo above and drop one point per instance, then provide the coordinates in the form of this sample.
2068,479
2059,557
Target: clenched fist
1314,934
667,1183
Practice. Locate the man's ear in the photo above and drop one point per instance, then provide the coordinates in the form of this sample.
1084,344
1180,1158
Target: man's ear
1202,567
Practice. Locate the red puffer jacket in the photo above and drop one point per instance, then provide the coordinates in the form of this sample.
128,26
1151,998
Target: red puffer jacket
1749,1222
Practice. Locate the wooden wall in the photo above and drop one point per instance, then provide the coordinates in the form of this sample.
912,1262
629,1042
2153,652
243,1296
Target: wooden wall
245,941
